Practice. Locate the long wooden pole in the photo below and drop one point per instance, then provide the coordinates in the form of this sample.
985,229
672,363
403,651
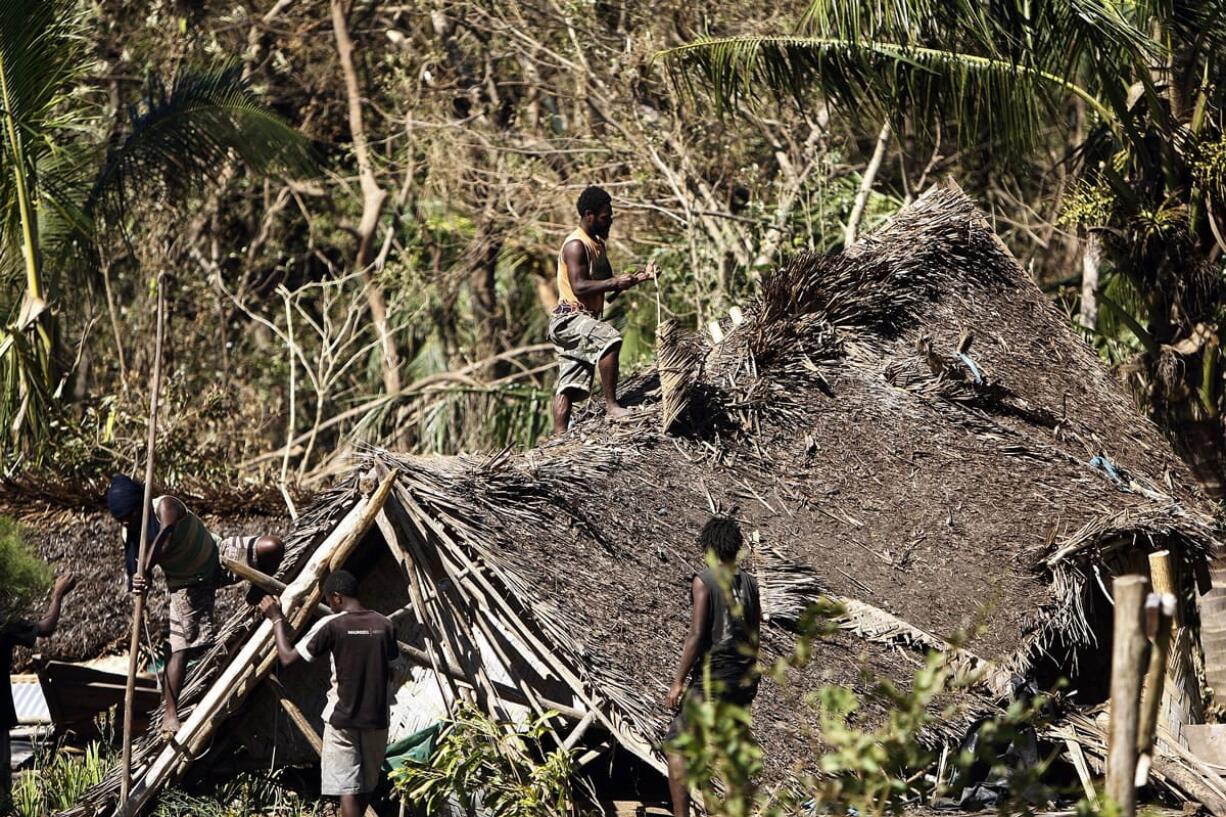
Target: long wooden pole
1127,665
138,602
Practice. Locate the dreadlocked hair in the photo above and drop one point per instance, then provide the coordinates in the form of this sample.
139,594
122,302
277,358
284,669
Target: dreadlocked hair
722,536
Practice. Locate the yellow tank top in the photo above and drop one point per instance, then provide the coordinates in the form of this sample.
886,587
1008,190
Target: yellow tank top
598,266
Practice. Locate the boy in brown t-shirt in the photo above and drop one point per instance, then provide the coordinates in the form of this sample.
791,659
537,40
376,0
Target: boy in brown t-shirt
362,646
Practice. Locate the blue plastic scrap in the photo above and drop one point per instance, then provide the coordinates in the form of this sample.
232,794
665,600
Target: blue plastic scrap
1104,464
970,364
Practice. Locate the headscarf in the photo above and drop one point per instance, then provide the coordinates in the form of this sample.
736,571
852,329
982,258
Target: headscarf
123,497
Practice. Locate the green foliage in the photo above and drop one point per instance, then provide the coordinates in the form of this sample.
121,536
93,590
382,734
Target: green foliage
243,795
500,767
59,779
23,576
865,771
59,193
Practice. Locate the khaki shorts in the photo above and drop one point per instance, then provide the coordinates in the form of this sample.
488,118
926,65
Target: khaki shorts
350,760
191,617
191,608
581,340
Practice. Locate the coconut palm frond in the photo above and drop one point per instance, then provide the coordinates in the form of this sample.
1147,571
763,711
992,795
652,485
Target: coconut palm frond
41,45
983,93
906,22
180,136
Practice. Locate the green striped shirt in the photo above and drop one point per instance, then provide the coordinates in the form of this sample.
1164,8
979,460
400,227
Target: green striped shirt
189,556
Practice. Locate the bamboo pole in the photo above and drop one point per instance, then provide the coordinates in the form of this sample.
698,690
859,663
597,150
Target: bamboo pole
1127,659
251,662
138,602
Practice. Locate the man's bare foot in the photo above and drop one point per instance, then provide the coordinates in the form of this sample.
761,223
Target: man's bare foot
615,411
170,726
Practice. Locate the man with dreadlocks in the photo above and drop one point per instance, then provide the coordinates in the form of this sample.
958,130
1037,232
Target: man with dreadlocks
582,338
720,656
190,557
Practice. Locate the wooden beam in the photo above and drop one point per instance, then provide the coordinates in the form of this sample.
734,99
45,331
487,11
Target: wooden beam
255,658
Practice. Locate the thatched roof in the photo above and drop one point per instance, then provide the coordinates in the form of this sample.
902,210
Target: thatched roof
866,460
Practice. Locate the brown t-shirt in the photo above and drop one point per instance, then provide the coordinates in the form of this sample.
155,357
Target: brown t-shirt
362,647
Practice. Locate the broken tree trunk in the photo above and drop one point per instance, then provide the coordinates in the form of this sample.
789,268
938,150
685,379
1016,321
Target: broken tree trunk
251,663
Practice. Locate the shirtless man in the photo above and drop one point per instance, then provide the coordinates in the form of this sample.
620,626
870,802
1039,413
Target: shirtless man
583,340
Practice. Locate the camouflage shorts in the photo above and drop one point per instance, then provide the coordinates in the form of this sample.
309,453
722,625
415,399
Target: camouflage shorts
191,608
581,340
191,617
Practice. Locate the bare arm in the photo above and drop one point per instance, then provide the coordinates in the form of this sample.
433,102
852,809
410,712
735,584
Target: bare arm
580,274
51,619
169,512
280,630
693,642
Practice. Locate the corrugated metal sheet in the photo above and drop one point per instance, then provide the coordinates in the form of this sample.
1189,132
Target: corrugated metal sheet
30,703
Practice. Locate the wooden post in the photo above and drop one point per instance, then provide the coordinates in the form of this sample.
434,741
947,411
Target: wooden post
138,602
1159,610
1127,663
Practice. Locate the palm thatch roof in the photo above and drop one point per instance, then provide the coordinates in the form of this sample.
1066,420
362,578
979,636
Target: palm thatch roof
909,427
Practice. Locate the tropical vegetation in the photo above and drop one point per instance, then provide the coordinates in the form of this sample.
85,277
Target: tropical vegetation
1127,94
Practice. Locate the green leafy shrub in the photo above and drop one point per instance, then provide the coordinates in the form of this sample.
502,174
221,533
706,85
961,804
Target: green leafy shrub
243,795
59,779
859,771
480,762
23,576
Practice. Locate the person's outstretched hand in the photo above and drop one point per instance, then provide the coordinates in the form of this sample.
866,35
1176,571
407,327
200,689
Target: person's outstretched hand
139,584
64,584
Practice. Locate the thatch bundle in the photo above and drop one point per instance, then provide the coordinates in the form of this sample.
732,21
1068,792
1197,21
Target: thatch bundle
873,455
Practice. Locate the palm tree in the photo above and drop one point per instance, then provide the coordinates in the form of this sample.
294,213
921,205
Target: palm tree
64,185
1153,161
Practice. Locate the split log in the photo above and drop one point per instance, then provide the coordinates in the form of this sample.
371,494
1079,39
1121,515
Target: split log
251,663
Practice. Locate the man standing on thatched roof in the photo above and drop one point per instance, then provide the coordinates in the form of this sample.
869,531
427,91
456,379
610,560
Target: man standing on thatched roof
361,646
584,341
20,632
720,656
190,558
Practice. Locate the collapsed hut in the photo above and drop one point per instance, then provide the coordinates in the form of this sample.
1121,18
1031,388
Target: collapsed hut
909,428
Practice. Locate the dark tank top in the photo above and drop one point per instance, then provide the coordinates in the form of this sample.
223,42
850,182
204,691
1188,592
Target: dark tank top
733,629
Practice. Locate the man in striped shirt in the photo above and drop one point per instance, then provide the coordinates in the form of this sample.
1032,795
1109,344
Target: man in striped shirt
190,557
